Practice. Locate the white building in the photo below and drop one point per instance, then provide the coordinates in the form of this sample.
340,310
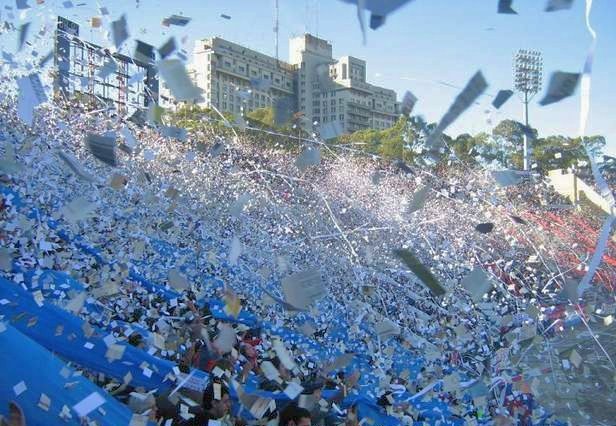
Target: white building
336,91
224,70
166,99
325,90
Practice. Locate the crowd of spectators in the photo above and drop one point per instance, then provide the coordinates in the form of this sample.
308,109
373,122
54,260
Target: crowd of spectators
226,216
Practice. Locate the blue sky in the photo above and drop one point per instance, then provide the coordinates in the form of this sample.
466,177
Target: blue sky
423,43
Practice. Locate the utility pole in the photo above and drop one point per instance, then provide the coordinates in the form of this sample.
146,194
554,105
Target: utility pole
527,73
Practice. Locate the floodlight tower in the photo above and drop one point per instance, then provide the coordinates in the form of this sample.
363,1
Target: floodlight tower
527,73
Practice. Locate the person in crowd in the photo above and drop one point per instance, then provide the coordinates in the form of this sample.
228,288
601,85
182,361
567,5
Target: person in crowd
292,415
215,405
189,329
16,416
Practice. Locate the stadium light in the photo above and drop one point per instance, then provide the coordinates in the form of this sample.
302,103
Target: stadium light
527,73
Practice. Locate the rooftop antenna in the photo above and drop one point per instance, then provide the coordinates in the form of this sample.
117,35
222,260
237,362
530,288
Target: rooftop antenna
317,18
307,17
276,30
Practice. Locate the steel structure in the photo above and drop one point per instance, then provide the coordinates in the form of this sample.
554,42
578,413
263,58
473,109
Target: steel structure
77,73
527,73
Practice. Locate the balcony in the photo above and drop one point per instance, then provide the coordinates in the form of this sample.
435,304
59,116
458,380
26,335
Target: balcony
230,71
362,110
359,120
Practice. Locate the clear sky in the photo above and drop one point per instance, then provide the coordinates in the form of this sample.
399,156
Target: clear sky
421,44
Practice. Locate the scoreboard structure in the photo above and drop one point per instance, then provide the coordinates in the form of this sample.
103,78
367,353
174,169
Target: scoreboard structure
85,70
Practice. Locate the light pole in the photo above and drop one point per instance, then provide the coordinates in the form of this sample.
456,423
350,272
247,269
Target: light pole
527,72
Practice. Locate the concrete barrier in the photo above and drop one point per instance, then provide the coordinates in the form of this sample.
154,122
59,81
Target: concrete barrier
569,185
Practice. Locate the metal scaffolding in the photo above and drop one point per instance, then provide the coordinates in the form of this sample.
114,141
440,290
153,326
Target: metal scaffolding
78,73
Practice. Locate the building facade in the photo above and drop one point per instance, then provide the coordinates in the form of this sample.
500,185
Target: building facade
336,91
324,90
234,78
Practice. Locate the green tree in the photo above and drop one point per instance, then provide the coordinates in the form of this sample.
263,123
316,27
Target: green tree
608,164
403,141
367,140
390,143
596,145
509,137
562,152
263,117
395,142
464,146
512,131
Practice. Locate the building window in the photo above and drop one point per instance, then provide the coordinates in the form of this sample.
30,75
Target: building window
341,117
344,71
